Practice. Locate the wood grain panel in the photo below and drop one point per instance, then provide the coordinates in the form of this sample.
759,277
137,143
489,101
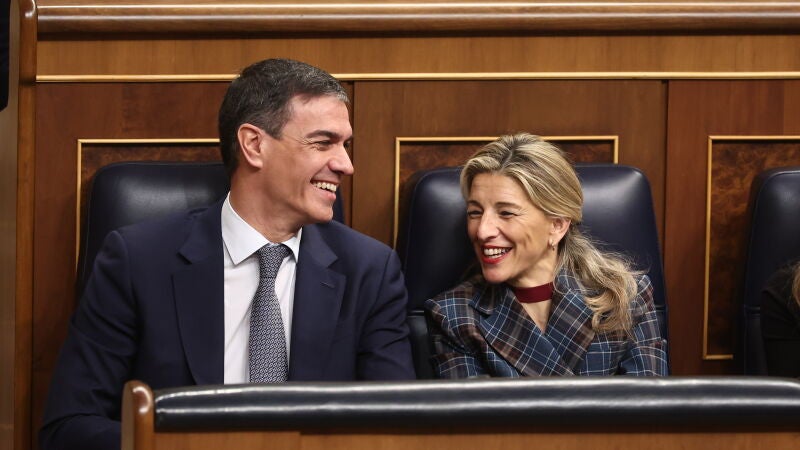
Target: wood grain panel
734,164
9,124
440,55
698,110
556,440
23,13
414,16
384,111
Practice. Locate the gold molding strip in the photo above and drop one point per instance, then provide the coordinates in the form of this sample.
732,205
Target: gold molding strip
398,141
434,76
79,158
706,281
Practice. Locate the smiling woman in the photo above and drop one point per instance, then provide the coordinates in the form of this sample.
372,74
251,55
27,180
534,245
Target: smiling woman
547,301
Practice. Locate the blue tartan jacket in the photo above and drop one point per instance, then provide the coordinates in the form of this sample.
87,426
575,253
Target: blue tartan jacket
481,329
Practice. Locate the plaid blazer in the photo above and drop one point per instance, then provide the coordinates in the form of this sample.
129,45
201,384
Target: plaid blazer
480,329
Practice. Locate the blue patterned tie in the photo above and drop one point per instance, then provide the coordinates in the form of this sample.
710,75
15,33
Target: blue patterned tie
267,349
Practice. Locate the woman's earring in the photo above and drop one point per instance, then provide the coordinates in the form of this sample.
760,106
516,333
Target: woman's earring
550,244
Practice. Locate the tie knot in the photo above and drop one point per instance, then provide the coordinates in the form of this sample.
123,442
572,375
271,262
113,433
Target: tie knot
270,258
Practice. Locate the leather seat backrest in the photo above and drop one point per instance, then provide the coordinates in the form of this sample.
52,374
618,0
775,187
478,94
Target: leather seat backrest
130,192
774,211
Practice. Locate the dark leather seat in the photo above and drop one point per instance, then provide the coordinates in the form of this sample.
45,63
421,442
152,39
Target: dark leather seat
130,192
574,403
774,210
435,251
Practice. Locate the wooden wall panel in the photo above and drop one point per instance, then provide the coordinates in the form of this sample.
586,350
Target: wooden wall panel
446,54
734,164
9,122
698,111
279,17
545,79
385,111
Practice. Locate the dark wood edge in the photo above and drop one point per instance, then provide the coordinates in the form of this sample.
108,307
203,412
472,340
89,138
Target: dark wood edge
377,17
137,416
26,136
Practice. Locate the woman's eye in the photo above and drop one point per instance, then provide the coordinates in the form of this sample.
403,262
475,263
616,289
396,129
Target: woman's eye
473,213
507,214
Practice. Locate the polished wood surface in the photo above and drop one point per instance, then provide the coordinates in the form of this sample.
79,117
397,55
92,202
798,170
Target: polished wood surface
23,284
9,123
265,17
463,440
137,416
699,110
447,56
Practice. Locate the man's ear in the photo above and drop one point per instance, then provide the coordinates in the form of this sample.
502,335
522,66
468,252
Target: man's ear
559,227
252,144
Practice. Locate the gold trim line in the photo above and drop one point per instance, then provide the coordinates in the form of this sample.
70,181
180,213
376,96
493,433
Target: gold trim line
590,75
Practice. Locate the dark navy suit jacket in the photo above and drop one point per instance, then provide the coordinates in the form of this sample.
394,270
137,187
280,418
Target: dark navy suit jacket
153,311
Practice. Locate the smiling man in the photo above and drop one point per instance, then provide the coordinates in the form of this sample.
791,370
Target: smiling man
260,287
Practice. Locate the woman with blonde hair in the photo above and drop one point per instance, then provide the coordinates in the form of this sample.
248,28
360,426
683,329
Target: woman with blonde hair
780,322
547,301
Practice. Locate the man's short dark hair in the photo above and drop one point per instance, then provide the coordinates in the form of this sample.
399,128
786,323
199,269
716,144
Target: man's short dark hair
261,96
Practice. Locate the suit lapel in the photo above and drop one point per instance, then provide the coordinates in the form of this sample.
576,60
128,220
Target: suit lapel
199,298
514,336
317,301
569,327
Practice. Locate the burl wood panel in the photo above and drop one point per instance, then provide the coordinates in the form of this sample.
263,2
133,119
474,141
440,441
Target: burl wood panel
698,110
554,439
734,164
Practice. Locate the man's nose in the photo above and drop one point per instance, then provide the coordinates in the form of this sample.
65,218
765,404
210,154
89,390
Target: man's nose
341,163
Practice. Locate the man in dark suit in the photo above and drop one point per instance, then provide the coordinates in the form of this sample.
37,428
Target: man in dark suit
169,302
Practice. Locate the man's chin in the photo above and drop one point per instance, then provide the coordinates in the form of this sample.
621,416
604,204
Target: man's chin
322,216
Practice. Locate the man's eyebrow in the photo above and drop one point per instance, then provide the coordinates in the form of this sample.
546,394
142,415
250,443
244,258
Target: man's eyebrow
325,133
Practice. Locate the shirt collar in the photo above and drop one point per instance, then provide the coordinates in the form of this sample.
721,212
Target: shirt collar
242,240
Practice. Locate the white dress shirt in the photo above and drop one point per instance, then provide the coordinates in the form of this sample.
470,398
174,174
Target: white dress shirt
240,241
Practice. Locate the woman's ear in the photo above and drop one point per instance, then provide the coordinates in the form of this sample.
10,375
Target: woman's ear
251,142
559,227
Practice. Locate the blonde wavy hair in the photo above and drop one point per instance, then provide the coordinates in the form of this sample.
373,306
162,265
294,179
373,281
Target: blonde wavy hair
549,179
